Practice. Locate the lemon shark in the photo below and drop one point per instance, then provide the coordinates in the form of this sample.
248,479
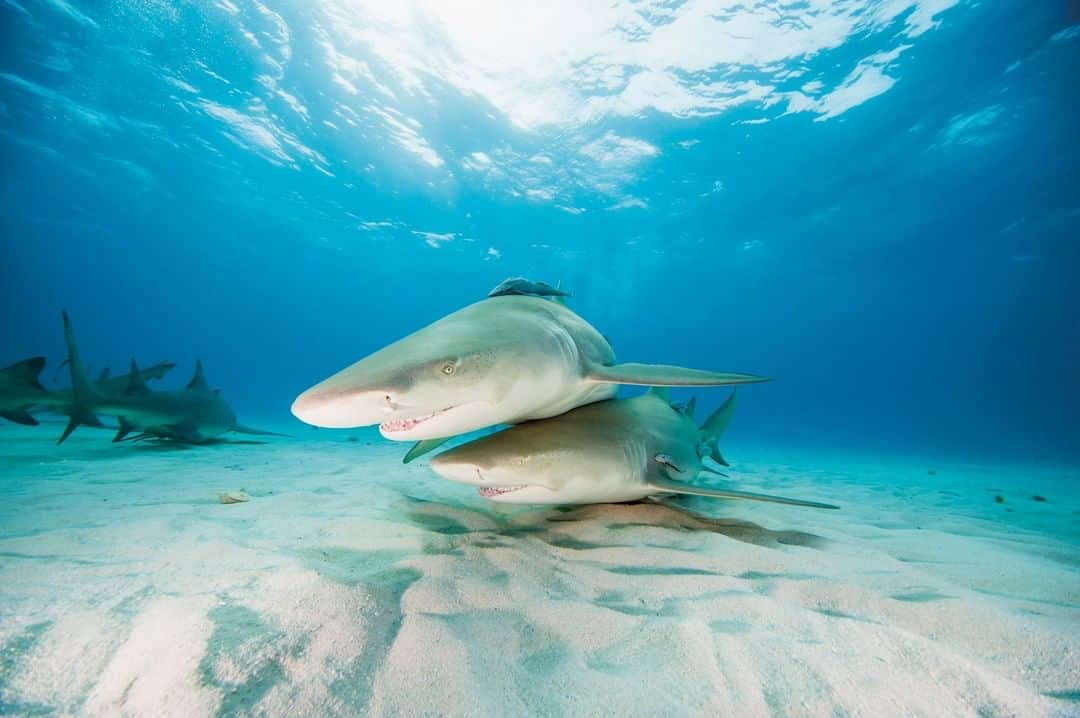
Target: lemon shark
606,452
196,414
503,360
21,389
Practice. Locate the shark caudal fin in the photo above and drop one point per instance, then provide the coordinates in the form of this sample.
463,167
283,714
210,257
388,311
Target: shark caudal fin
714,426
666,375
677,487
158,371
83,393
23,376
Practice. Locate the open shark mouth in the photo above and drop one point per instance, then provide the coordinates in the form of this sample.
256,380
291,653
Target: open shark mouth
397,425
491,491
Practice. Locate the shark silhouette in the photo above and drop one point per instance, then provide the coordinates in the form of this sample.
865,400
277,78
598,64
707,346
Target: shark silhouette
196,414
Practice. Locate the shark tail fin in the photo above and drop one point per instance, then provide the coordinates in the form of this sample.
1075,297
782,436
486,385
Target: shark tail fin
25,373
665,375
84,396
136,384
159,370
677,487
714,426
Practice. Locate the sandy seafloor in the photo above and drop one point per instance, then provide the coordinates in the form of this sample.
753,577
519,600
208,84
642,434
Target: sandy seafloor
350,584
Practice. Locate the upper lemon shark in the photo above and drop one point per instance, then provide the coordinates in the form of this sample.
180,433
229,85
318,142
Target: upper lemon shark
506,359
195,414
610,451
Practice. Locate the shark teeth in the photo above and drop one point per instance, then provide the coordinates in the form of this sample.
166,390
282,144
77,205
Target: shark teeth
405,424
488,491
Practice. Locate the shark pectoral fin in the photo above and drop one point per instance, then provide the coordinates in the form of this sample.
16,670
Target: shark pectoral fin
19,416
676,487
665,375
241,429
423,447
710,472
79,417
124,429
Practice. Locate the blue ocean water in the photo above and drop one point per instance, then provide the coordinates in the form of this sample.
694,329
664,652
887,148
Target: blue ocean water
876,204
873,203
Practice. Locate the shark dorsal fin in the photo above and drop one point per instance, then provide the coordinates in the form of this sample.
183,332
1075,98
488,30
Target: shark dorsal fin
713,427
660,392
136,385
198,382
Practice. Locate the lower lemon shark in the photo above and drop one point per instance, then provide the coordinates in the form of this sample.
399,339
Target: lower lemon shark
506,359
195,414
606,452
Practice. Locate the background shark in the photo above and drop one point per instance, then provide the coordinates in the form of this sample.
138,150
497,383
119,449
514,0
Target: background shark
20,389
196,414
502,360
63,401
611,451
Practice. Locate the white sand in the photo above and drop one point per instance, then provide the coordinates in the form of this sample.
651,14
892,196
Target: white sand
352,584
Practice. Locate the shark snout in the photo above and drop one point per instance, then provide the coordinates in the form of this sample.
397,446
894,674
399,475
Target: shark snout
456,469
336,409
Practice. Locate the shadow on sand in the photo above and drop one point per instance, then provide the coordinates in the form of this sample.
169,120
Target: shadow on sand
566,526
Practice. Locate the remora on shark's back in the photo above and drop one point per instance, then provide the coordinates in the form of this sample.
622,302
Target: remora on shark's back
611,451
503,360
195,414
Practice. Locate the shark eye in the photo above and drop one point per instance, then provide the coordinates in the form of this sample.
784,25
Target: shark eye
448,368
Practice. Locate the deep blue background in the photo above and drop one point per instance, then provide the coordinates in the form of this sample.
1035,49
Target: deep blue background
905,296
